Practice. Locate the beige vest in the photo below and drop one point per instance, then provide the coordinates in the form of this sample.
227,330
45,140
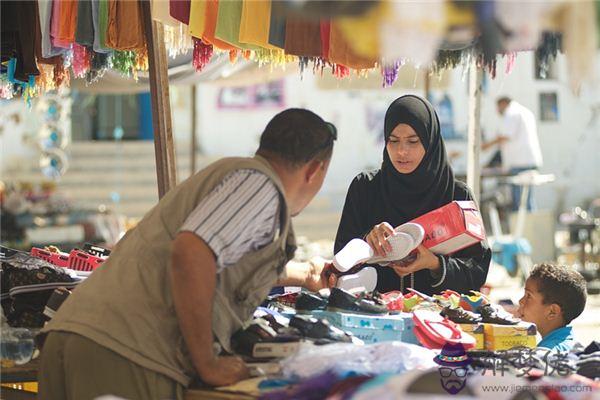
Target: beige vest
126,305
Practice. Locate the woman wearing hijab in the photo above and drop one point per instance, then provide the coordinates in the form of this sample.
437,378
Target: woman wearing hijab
415,178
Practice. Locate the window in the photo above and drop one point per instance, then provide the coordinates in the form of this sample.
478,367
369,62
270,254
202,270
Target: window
547,70
548,106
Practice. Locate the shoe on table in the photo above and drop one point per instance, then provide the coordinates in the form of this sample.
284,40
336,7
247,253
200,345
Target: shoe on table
319,329
494,315
460,315
341,300
473,302
307,302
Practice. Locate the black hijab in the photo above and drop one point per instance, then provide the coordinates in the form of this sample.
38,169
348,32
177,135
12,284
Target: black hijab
431,185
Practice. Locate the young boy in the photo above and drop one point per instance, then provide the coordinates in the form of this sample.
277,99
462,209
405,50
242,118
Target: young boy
554,296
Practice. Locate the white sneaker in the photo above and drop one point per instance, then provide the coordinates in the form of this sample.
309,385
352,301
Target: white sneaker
415,230
357,251
363,280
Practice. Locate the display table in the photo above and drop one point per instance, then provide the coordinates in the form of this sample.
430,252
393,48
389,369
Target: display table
28,373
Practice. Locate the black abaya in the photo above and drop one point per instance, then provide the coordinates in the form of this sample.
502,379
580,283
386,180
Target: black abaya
389,196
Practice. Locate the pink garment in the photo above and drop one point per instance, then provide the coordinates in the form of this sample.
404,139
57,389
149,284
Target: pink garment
55,27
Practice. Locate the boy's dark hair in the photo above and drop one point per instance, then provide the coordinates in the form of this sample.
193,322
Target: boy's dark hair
504,99
297,136
559,284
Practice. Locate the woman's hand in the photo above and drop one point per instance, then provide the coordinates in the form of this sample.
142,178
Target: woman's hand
425,260
377,238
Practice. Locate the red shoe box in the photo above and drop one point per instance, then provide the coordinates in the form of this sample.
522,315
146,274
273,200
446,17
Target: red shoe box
82,261
58,259
451,228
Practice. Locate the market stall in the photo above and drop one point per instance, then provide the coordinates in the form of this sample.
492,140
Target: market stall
359,341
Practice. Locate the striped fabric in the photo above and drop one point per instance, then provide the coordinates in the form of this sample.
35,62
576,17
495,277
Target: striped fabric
239,216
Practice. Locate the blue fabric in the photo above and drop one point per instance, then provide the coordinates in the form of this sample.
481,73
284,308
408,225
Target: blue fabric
516,190
505,252
561,339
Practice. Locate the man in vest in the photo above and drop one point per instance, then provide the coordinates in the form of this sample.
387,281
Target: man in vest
163,307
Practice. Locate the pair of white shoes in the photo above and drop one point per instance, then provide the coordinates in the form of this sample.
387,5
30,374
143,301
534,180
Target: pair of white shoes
405,239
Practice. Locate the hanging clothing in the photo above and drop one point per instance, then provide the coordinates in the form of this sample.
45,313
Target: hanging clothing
55,25
386,195
361,33
303,37
228,24
180,10
45,11
212,14
197,18
98,35
66,22
325,33
102,22
18,37
125,25
255,23
38,43
340,51
84,34
277,25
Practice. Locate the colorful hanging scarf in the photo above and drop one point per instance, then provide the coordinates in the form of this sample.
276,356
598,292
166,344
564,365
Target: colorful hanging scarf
102,22
228,24
180,10
361,32
45,11
277,25
67,22
125,25
197,18
84,34
212,13
340,52
303,38
59,29
255,23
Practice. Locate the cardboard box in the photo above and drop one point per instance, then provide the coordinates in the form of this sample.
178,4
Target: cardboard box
477,331
521,329
275,349
453,227
371,328
506,337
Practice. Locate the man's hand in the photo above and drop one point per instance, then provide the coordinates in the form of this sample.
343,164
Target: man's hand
222,371
314,275
425,260
320,275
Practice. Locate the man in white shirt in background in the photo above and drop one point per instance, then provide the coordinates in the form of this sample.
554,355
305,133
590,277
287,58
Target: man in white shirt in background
518,141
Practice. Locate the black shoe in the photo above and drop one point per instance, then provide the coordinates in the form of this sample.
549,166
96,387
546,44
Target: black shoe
460,315
341,300
319,329
310,302
493,315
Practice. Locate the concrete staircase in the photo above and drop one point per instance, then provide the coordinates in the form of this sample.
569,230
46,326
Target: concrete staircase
122,177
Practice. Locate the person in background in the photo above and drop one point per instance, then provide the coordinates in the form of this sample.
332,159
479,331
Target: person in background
162,309
415,178
519,145
554,296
